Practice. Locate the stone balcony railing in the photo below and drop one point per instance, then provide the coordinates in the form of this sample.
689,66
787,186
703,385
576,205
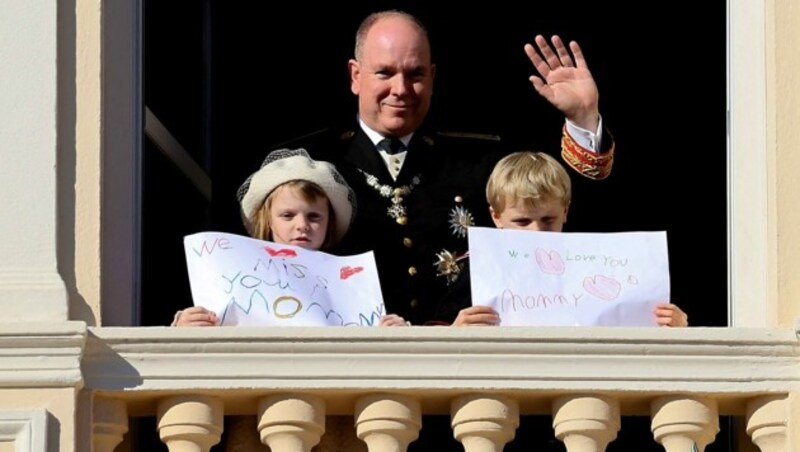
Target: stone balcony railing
291,379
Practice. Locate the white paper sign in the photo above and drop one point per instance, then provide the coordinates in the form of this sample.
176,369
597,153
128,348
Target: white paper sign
564,278
254,282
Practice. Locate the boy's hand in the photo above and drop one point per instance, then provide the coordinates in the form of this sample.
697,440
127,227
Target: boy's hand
668,314
477,315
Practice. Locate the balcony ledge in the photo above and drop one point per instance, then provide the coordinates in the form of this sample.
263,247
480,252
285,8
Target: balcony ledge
440,362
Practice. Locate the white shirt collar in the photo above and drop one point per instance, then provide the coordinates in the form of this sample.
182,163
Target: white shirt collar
394,163
375,137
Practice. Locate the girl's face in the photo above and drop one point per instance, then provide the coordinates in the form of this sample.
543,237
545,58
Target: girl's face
295,221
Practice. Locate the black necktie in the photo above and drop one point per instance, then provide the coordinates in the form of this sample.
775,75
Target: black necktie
391,146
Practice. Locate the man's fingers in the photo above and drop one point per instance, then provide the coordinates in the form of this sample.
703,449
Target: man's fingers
547,52
563,54
577,53
541,66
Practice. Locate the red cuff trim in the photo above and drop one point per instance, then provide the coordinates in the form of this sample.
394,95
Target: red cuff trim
586,162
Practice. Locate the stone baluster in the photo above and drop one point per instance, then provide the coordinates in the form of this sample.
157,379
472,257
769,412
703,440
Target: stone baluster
586,423
386,422
681,423
767,419
291,422
109,423
484,423
191,423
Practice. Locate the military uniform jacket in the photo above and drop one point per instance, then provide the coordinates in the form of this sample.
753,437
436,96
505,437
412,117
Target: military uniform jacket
444,178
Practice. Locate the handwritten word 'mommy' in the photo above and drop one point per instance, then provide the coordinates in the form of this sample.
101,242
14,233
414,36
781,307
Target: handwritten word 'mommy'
510,301
280,313
291,312
608,261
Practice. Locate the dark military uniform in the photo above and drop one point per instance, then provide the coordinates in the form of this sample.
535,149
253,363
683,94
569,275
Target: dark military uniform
442,181
420,219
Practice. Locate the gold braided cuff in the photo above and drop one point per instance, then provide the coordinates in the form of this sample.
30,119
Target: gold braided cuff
594,165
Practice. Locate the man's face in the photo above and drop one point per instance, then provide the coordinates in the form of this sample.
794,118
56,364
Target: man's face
393,77
549,215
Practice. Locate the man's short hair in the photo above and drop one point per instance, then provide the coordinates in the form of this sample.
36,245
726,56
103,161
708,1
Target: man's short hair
369,21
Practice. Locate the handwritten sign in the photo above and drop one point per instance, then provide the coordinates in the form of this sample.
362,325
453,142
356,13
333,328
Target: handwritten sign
254,282
558,278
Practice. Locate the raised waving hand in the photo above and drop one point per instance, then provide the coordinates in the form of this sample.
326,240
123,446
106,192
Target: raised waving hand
565,80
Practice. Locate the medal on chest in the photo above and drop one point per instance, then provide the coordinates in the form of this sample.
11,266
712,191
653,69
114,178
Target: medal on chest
396,210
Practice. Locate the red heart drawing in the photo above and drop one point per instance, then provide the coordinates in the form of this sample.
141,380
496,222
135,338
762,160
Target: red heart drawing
283,252
348,271
549,262
602,287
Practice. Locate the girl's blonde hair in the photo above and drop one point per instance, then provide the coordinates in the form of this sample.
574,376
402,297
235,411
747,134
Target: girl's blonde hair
310,192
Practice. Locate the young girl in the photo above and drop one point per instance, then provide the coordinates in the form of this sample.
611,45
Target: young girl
292,200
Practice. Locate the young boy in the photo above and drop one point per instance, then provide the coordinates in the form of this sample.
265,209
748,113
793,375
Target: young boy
531,191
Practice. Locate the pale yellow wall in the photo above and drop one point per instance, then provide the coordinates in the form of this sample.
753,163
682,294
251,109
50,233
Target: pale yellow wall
60,406
783,79
7,446
794,413
84,291
31,288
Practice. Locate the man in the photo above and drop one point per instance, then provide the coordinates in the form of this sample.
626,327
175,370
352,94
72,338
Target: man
418,191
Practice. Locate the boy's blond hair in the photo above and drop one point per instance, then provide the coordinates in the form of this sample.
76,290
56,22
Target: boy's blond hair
532,177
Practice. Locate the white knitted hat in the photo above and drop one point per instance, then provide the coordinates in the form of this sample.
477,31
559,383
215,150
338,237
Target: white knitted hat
286,165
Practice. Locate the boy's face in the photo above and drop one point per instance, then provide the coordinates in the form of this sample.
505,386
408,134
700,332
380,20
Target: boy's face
550,215
295,221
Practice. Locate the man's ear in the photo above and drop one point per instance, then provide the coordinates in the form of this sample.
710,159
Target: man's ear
495,218
354,68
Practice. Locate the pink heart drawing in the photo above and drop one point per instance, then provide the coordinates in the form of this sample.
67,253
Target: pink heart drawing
348,271
602,287
549,262
283,252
